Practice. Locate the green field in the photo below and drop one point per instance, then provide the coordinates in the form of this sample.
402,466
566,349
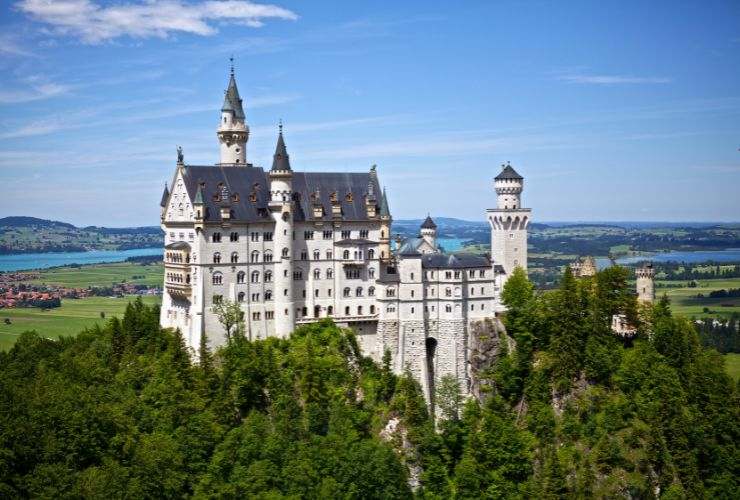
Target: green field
684,300
69,319
732,365
103,275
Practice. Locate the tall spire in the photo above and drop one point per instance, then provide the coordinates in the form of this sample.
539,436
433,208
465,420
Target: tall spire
232,101
165,196
384,212
281,160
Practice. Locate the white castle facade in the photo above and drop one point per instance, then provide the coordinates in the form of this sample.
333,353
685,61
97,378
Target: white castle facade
293,247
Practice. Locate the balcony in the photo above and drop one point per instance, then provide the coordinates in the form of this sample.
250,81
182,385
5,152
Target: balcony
179,289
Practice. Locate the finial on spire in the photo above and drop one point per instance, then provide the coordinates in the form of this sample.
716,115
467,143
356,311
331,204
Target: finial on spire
232,64
280,126
180,156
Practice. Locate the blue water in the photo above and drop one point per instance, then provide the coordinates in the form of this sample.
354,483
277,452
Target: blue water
451,244
728,255
43,260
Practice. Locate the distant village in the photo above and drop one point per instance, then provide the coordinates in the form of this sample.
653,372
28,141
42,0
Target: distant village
16,291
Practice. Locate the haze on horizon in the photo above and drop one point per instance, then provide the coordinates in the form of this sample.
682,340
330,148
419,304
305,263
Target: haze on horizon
619,111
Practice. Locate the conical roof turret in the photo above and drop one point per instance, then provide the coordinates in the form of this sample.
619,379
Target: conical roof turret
280,160
165,196
384,211
508,172
428,223
232,101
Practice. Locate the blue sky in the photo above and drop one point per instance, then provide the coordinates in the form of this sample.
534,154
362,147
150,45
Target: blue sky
611,110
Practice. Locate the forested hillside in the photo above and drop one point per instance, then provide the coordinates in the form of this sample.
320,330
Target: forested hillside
572,412
32,235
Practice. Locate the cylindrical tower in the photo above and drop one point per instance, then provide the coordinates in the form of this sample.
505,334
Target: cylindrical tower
645,283
429,231
384,242
281,195
509,189
233,131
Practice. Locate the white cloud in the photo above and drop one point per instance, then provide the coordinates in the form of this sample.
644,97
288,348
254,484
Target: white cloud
34,89
612,79
94,23
10,45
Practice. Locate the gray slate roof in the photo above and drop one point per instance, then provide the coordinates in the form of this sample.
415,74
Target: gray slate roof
280,160
509,173
165,197
247,183
410,246
428,223
453,261
384,211
232,101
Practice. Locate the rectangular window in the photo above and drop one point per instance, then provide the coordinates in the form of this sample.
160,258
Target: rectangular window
267,236
346,234
217,299
328,235
364,233
269,314
255,236
255,315
307,235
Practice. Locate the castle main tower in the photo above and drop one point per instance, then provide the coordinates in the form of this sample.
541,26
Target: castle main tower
233,131
281,209
645,283
509,222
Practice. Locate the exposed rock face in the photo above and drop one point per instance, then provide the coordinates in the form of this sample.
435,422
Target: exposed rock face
486,347
395,433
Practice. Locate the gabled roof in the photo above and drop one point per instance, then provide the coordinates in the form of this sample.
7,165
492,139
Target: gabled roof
165,197
509,173
428,223
280,160
410,247
232,101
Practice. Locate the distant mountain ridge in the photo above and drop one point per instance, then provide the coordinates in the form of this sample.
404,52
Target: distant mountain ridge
21,234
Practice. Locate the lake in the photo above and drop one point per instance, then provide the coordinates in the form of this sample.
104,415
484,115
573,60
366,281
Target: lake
25,261
728,255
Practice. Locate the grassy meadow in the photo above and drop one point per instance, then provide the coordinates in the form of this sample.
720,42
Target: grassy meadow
684,300
102,275
732,365
69,319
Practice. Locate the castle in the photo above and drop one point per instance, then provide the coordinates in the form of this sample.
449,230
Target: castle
293,247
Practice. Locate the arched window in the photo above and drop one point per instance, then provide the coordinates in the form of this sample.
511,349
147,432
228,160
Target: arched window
216,238
371,291
330,310
255,256
216,258
358,291
268,276
317,274
268,294
240,297
267,256
316,255
372,309
346,311
448,308
255,277
371,254
347,292
234,257
217,278
240,277
371,273
345,255
359,310
329,274
286,252
328,255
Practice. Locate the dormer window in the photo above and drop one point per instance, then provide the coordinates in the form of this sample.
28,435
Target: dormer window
348,197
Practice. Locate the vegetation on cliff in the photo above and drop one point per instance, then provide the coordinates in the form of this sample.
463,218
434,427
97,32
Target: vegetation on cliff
572,412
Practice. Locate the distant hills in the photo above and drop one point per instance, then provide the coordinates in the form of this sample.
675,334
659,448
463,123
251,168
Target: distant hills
19,234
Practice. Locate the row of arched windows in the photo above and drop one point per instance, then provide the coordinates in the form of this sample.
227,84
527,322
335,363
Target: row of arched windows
254,257
347,292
